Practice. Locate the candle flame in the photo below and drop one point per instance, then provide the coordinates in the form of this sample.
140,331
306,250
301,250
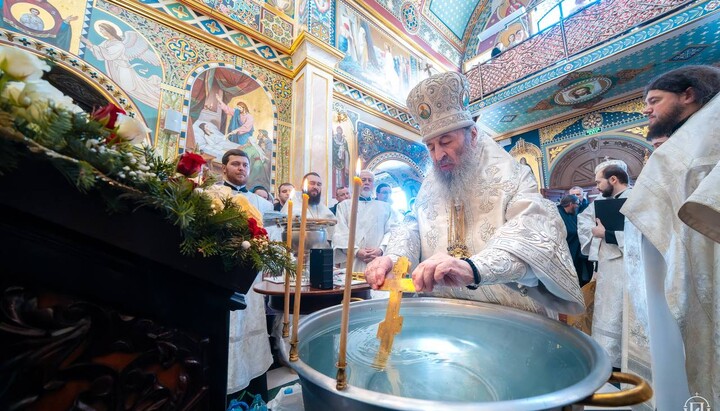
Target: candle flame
305,185
292,194
358,167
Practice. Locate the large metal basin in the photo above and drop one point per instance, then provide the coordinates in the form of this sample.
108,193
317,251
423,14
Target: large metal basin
450,355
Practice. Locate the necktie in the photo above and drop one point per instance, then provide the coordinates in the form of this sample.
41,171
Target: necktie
241,189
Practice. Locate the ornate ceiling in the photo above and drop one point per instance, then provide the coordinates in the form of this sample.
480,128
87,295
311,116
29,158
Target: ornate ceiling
605,82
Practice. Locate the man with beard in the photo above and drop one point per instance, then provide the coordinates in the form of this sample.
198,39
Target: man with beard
315,210
235,170
672,257
511,240
375,219
606,247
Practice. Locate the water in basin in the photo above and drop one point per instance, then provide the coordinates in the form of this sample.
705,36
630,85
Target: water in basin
446,356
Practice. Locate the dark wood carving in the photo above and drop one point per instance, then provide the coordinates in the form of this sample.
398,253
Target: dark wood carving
99,310
61,353
78,89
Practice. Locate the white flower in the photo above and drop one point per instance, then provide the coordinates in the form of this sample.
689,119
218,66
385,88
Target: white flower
14,93
21,64
245,244
131,129
41,90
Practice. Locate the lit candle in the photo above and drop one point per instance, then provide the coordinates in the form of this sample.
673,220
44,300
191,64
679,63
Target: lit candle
298,273
342,363
286,314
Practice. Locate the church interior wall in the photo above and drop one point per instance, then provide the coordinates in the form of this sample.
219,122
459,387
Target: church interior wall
617,132
375,140
166,66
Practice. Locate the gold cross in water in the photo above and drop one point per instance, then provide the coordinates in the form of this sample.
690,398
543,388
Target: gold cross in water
392,324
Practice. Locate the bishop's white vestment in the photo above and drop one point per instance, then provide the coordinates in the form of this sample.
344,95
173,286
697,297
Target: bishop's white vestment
515,237
375,220
607,316
674,270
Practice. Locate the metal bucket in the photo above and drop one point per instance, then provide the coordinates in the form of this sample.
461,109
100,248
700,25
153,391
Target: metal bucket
452,354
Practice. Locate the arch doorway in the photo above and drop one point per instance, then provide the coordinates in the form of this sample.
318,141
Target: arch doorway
398,172
576,165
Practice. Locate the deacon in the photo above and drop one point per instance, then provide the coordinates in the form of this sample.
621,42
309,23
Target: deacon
375,220
606,247
478,229
673,269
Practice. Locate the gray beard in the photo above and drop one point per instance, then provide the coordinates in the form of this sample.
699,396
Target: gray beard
459,182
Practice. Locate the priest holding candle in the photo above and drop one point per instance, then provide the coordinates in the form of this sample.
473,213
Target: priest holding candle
479,229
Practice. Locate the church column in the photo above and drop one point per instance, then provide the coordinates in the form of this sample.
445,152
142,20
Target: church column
312,91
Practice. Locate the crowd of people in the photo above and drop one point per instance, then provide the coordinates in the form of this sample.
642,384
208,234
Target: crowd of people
656,300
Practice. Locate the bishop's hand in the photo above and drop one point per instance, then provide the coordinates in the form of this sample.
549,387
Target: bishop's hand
442,269
376,271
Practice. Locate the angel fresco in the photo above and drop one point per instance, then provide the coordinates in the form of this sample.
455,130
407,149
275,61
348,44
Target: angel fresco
119,51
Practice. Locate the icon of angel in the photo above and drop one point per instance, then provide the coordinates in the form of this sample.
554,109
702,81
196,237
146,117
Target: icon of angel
123,54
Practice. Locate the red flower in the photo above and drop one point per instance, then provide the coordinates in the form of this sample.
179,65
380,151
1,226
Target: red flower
190,164
107,115
255,229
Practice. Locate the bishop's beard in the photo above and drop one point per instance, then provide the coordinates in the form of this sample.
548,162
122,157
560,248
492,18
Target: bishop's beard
458,183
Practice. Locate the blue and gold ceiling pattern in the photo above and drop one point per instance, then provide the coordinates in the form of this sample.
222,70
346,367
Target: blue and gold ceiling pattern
697,43
454,14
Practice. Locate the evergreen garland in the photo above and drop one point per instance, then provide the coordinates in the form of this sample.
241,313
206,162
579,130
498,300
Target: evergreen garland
35,119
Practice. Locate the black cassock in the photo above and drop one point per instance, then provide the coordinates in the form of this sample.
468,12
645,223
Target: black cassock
583,267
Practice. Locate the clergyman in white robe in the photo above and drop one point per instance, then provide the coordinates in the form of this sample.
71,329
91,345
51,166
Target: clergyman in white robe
375,220
674,270
513,235
610,277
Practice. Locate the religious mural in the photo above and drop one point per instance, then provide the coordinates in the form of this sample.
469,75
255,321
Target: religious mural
230,109
374,57
341,168
126,57
56,22
286,6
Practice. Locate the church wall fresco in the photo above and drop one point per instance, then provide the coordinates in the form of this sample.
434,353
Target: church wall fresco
231,109
222,31
271,20
149,67
374,57
373,142
413,19
321,15
621,127
55,22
